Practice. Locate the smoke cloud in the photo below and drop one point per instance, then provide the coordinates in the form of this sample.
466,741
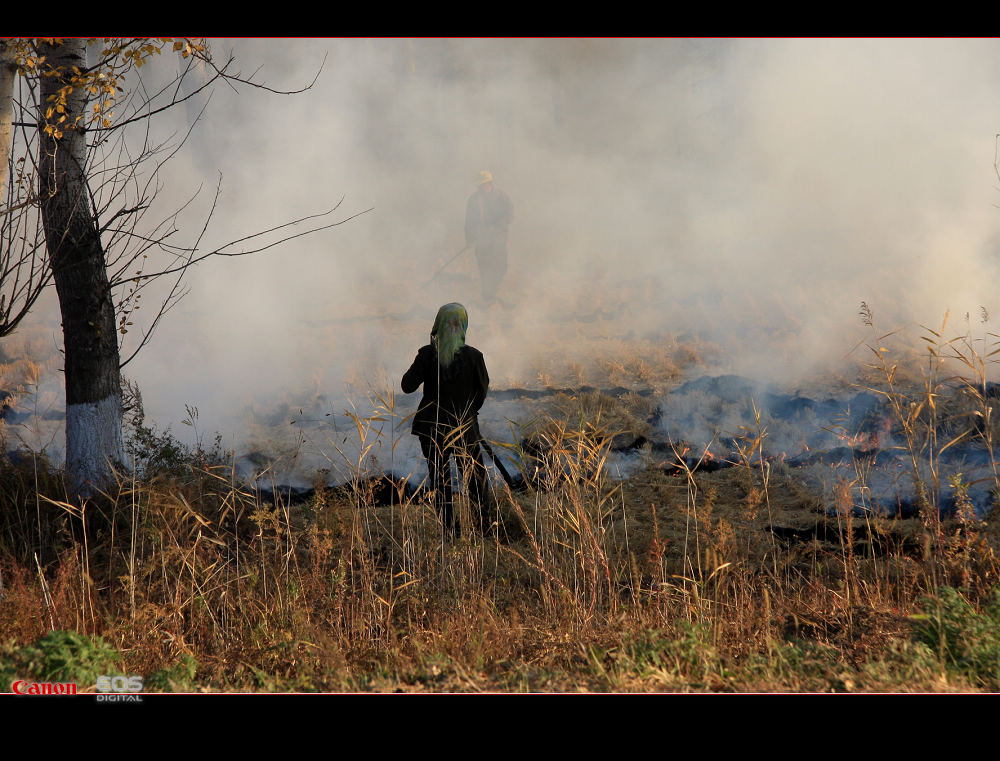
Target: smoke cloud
751,193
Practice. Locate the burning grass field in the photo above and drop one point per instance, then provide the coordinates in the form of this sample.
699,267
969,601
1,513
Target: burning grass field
715,561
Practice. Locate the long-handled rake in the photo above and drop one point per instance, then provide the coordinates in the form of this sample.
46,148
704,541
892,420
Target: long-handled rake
496,461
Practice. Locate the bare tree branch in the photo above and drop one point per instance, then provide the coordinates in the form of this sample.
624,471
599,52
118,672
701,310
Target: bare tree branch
222,252
259,86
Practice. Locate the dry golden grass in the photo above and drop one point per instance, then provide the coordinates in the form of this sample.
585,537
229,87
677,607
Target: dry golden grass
663,582
675,579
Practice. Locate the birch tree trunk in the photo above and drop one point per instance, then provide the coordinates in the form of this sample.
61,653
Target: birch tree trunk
93,384
7,73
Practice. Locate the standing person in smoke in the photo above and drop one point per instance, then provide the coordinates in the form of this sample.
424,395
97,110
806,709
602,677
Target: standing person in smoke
447,421
488,214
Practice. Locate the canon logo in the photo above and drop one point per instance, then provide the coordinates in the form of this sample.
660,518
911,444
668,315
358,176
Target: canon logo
21,687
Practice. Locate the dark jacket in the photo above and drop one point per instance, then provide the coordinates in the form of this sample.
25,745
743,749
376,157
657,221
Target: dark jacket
453,395
487,217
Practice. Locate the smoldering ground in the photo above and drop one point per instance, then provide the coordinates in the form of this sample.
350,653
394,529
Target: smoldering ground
739,196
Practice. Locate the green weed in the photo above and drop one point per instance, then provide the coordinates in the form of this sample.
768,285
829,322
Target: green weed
59,656
967,642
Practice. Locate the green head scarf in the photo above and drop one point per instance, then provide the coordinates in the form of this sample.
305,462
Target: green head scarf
448,333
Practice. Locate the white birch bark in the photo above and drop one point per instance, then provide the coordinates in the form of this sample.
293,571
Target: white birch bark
7,74
93,381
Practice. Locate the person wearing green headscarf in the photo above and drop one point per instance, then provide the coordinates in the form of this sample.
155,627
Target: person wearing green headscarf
455,385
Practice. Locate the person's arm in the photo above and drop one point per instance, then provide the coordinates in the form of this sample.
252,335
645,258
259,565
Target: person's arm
482,383
413,377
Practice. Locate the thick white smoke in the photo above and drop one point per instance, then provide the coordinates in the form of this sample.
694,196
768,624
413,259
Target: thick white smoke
749,192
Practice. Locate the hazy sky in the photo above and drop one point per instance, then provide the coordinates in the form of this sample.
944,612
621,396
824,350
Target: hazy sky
753,192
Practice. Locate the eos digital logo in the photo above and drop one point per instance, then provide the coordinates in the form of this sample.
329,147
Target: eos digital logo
119,689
